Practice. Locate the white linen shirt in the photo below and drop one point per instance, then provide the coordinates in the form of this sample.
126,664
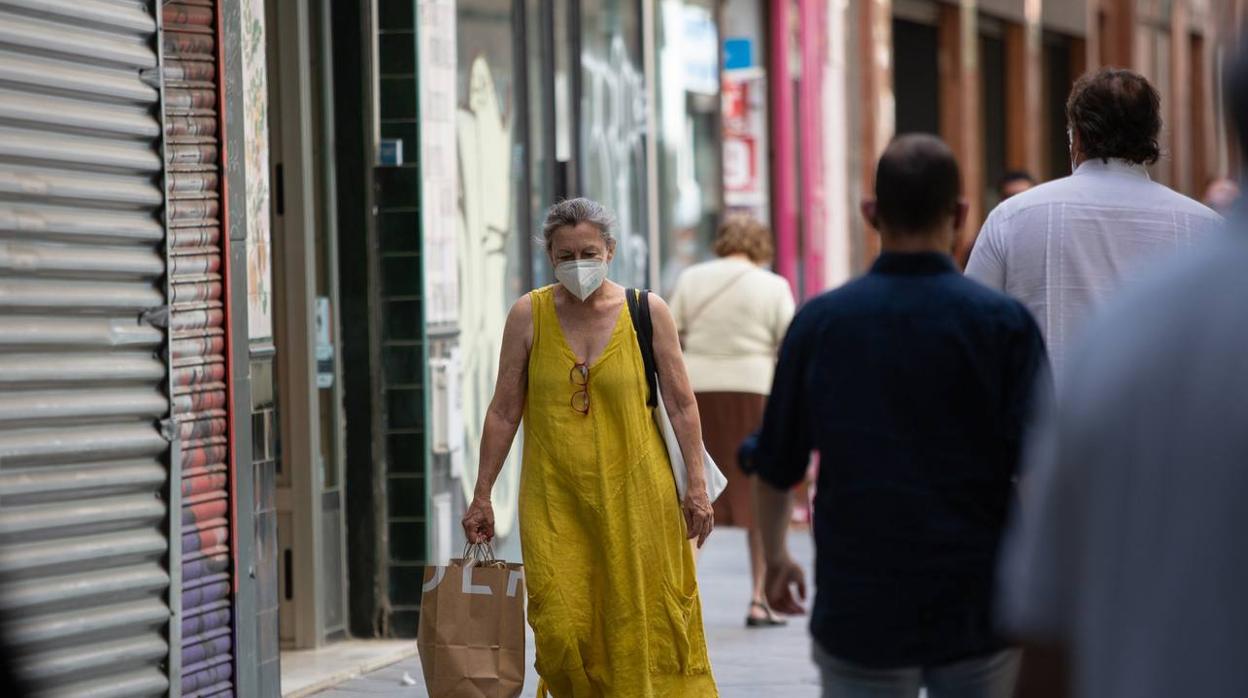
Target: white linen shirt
1065,246
1127,544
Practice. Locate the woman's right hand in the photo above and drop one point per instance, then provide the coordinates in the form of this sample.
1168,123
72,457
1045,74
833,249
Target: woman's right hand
699,515
479,521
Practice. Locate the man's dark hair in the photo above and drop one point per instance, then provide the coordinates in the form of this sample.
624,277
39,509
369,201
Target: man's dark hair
917,184
1116,114
1015,176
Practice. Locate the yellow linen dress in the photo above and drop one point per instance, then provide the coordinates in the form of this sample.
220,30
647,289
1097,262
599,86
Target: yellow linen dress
613,597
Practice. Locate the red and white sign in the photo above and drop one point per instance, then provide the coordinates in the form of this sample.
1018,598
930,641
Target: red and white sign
745,175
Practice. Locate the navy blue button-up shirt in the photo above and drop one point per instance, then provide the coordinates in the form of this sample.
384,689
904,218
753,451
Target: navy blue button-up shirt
913,384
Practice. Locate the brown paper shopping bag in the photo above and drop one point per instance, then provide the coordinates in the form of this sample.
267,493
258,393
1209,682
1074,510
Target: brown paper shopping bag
471,636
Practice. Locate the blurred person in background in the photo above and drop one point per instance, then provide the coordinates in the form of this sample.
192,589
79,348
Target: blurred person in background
1125,571
1064,246
732,315
913,383
1221,195
1015,182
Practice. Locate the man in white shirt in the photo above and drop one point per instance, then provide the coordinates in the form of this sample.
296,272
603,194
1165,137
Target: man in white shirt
1062,247
1125,571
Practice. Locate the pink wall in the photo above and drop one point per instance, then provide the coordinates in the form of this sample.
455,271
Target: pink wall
798,205
813,20
783,140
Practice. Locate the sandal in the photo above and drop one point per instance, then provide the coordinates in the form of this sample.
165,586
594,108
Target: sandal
770,620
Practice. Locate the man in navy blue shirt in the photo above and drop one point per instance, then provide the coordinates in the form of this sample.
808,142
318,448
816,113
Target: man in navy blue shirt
914,384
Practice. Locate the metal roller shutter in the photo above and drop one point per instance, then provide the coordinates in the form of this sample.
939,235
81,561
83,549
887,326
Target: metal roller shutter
84,385
199,368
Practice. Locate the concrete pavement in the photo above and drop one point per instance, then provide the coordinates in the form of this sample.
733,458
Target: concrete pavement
748,663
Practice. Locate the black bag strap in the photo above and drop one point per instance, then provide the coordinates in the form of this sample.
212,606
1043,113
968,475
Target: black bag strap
639,310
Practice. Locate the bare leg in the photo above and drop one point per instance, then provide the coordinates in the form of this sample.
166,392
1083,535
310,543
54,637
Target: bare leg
754,541
759,612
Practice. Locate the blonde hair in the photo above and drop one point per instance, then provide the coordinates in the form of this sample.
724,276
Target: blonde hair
744,234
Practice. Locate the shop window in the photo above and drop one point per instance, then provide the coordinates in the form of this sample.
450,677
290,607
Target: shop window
689,143
612,127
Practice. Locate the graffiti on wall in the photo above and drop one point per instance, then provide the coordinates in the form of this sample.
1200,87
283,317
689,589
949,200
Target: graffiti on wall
486,233
256,164
614,119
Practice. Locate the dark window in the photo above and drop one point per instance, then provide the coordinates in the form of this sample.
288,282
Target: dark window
1059,78
916,79
992,72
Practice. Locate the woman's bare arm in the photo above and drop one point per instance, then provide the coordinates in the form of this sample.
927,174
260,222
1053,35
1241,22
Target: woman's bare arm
502,419
682,408
678,397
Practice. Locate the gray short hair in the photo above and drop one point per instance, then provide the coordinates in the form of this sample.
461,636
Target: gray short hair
573,212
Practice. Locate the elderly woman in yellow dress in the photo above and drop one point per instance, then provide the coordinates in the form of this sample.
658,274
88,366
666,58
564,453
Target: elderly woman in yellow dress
613,597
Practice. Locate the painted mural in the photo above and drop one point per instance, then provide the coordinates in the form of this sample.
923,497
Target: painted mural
486,235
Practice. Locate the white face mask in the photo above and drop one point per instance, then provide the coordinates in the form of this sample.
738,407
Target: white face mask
582,277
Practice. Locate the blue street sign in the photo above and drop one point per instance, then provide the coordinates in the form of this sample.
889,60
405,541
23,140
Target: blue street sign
738,53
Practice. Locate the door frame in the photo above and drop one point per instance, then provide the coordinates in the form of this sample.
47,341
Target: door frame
295,223
327,252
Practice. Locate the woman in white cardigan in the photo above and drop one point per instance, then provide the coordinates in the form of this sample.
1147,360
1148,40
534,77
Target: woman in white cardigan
732,315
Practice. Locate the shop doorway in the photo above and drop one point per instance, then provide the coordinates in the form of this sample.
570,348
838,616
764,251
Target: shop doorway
309,476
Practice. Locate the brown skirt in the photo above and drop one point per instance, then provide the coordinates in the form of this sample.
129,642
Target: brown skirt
727,418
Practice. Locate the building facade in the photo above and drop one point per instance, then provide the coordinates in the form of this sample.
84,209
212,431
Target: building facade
991,77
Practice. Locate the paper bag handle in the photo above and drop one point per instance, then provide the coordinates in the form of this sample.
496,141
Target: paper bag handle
481,555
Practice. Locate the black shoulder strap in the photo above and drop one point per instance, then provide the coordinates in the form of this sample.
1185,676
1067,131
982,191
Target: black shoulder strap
639,310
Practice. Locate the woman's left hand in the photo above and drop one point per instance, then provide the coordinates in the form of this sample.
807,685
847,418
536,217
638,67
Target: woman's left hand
699,516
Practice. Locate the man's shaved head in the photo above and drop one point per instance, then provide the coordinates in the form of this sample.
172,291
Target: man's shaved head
917,185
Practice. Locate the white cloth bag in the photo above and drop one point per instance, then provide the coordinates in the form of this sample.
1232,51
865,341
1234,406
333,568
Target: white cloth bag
716,482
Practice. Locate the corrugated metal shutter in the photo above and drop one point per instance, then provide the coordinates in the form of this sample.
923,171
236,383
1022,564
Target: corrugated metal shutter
83,382
200,399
